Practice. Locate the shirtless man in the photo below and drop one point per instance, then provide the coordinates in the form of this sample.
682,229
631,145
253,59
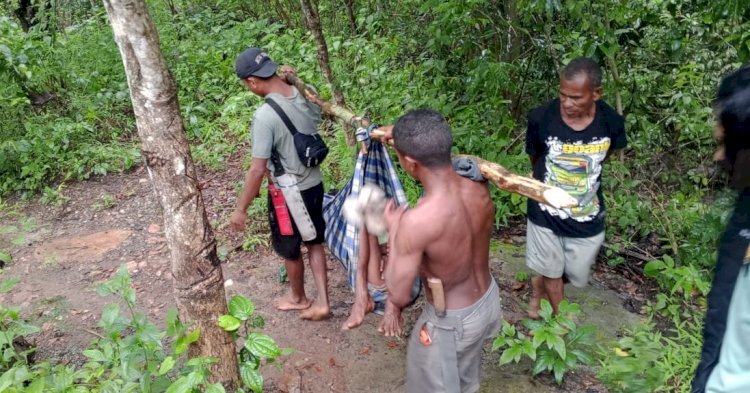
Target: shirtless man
445,236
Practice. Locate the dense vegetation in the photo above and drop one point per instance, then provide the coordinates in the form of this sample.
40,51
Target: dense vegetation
66,111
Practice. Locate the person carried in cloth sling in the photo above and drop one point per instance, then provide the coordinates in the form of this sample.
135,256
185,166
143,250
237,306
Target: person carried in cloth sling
275,128
444,238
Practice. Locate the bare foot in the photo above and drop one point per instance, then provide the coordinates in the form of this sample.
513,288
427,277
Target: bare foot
289,303
537,293
392,324
360,308
316,312
534,307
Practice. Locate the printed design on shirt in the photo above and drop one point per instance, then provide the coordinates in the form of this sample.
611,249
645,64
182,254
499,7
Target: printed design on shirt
575,167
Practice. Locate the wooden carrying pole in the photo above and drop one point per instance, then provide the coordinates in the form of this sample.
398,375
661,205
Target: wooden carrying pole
496,173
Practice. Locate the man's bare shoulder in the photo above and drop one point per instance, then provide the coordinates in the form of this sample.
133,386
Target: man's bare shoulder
420,222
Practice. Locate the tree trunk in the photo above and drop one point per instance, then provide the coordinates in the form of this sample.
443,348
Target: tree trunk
312,19
198,279
26,14
349,5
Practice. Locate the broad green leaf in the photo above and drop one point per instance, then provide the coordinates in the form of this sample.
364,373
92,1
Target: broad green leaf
543,362
8,284
181,385
95,355
559,370
110,316
653,268
582,356
248,358
166,365
262,345
545,310
36,386
215,388
183,342
557,343
193,336
540,337
251,378
508,329
539,366
499,342
241,308
229,323
513,353
529,349
506,357
173,324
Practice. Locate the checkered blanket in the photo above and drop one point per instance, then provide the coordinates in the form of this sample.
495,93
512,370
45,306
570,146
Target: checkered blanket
374,167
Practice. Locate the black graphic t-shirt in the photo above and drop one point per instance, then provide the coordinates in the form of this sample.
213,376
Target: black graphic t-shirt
572,160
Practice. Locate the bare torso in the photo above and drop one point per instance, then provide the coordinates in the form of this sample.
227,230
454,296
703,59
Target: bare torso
458,254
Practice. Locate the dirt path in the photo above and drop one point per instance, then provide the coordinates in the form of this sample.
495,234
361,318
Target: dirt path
62,253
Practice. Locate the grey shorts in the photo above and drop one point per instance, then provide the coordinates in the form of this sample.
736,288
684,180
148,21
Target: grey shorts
451,363
551,255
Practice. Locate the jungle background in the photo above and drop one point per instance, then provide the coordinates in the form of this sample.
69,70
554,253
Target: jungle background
67,118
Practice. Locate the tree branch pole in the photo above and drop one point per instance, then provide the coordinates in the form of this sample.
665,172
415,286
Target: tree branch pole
496,173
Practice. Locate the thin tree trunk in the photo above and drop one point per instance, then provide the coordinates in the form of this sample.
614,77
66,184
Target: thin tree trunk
313,23
514,36
349,6
616,79
198,279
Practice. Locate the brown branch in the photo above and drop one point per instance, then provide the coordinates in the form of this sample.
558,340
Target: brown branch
501,177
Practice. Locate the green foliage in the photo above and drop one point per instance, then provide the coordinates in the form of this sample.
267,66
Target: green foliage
130,356
521,276
257,347
555,343
481,63
631,365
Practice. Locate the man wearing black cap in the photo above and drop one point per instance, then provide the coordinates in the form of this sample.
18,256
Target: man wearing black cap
273,149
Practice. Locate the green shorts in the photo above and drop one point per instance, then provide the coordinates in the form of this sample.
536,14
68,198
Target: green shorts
552,256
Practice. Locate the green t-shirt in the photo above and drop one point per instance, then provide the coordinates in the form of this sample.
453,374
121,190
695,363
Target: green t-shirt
269,133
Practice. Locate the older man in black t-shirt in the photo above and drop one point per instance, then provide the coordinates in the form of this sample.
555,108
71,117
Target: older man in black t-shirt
568,140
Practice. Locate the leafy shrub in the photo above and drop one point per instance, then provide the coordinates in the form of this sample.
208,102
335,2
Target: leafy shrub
554,343
631,366
131,355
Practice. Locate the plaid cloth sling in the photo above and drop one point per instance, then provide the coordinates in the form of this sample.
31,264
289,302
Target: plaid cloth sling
374,167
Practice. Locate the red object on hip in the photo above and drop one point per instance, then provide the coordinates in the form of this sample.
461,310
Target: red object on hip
283,219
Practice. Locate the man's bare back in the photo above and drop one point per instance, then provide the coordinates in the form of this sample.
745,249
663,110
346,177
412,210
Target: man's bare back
451,225
459,254
446,237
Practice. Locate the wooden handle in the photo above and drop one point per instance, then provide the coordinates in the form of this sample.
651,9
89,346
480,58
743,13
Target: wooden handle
438,295
496,173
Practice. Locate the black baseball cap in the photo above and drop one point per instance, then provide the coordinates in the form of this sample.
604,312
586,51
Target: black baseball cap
254,62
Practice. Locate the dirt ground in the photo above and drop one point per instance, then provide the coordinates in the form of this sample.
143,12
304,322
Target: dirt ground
61,253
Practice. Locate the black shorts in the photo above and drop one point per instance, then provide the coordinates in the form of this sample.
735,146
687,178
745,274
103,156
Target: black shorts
288,247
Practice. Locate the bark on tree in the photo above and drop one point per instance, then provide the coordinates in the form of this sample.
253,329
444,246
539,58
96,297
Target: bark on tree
198,279
496,173
349,5
312,19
